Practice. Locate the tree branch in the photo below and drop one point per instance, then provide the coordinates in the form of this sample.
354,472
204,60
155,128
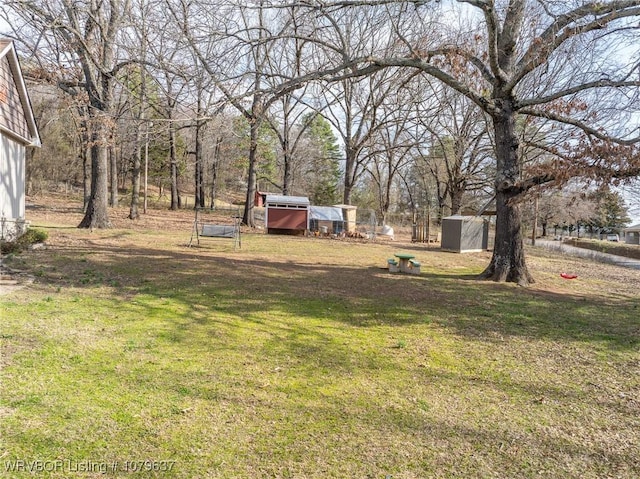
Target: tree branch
560,31
526,184
475,61
578,124
603,83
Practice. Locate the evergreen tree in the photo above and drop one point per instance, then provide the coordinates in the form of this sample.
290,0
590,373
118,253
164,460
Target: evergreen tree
324,167
611,214
266,159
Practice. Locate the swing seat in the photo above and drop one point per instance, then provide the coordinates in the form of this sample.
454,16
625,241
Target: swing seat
206,230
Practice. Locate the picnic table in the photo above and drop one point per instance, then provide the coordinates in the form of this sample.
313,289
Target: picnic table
406,263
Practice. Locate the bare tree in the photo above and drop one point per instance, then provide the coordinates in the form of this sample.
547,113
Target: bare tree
461,153
288,110
139,44
352,107
526,58
289,127
54,112
229,44
170,67
393,145
631,194
84,34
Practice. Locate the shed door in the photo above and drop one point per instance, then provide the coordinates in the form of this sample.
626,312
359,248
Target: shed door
287,219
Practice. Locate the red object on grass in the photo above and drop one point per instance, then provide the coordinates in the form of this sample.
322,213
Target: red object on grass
568,276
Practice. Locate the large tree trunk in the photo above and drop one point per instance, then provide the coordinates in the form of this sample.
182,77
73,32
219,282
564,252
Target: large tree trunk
349,169
386,200
346,197
508,261
96,214
287,174
84,154
455,195
86,176
248,216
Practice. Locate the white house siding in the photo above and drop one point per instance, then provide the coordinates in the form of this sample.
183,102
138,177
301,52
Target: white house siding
18,131
12,179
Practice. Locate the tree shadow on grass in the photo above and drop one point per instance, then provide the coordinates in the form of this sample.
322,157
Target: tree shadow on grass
495,310
235,283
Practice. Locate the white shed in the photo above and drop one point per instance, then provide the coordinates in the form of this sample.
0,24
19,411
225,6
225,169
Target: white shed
286,214
18,131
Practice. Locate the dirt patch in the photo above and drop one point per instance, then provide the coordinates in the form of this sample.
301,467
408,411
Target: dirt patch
12,280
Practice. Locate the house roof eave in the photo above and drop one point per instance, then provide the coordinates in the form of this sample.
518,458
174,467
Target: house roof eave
32,142
7,49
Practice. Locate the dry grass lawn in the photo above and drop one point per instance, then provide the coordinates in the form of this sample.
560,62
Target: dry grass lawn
303,357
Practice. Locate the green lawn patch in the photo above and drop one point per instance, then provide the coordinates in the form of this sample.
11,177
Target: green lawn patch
132,354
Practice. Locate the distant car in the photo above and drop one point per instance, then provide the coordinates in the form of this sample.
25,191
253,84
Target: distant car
613,237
